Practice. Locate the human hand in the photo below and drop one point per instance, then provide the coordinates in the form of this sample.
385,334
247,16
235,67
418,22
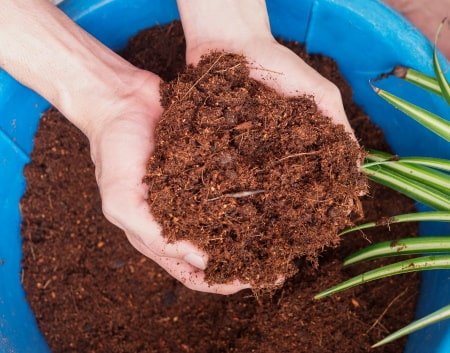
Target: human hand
283,70
243,28
120,147
116,105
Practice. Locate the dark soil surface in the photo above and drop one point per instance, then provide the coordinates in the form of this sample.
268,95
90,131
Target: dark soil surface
92,292
253,178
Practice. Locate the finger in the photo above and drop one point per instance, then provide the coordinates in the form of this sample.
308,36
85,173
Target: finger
194,279
141,224
190,276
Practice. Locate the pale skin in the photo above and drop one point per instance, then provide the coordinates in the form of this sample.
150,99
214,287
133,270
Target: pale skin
116,105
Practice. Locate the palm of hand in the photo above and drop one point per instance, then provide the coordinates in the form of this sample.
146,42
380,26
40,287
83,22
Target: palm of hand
120,151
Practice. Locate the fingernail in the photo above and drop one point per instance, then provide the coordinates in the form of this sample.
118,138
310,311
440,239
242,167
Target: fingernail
195,260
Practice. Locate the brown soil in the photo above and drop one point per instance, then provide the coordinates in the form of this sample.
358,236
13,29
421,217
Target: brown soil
92,292
253,178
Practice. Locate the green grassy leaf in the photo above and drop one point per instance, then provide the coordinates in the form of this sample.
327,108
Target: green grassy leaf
419,79
436,163
427,119
436,216
407,246
411,188
379,157
425,263
375,155
439,315
443,84
423,174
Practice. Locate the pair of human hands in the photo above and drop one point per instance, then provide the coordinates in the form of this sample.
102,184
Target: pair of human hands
121,147
118,106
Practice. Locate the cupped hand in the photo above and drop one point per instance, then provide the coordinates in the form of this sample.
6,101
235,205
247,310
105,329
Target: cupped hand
121,144
280,68
283,70
116,105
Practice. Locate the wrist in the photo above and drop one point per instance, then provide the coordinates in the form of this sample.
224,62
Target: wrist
116,99
93,88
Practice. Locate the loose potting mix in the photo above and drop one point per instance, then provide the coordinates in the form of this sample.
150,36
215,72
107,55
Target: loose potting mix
261,182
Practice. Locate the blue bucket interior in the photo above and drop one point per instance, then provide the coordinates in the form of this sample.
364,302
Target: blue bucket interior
364,37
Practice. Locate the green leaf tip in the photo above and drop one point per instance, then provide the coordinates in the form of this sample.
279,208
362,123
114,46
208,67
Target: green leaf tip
423,263
435,163
443,84
439,315
429,120
416,190
407,246
436,216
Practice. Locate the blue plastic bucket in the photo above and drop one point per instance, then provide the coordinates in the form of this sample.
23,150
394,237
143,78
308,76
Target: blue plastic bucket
364,37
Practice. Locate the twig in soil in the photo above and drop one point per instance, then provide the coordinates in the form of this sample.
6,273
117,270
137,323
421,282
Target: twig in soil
384,328
297,155
74,301
50,201
261,68
151,205
203,76
238,195
203,180
46,283
359,208
365,237
352,316
377,321
33,255
215,239
225,70
281,297
195,83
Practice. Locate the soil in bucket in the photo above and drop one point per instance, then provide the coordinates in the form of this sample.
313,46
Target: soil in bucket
92,292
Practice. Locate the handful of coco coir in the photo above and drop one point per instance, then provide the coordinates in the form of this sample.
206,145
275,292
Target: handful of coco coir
253,178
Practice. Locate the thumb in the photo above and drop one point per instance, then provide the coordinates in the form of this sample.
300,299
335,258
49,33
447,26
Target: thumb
120,154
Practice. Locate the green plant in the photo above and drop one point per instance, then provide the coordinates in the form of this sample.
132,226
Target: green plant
423,179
